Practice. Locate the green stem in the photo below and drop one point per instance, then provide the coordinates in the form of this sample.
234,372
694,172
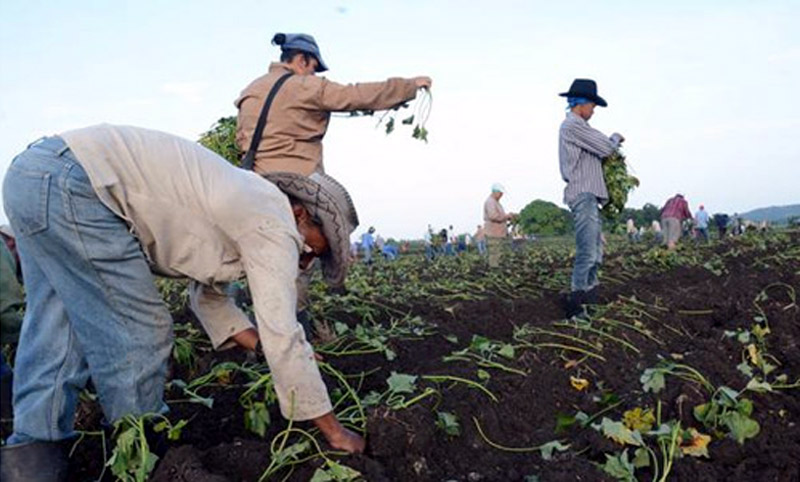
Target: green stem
471,383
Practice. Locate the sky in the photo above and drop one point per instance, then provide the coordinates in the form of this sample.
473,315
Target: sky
703,91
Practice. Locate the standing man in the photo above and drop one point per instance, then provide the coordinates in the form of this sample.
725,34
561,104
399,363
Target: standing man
673,213
701,222
581,150
298,118
94,211
721,220
495,222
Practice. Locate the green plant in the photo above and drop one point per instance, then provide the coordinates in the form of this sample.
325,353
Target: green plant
618,183
447,422
131,459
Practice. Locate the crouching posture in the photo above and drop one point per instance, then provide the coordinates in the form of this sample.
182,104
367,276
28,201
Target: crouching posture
95,211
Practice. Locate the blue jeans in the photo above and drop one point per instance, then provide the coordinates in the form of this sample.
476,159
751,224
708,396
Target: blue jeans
93,309
588,242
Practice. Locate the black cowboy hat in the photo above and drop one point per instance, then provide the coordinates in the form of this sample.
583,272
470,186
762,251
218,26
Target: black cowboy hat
586,88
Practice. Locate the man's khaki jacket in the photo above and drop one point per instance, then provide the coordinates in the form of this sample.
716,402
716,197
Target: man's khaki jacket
299,115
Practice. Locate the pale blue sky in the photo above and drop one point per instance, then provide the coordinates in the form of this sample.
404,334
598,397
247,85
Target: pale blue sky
702,90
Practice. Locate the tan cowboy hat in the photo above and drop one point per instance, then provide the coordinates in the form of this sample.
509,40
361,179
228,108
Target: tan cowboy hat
328,202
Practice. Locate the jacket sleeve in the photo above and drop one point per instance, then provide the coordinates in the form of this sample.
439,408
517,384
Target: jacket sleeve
271,258
217,312
325,95
589,139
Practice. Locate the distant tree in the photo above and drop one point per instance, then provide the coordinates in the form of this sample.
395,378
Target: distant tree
545,218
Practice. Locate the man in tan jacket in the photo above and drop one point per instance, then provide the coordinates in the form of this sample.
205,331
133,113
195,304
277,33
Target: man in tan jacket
495,224
298,118
95,210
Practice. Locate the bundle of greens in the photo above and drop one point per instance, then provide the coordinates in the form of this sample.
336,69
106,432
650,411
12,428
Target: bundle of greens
422,110
619,184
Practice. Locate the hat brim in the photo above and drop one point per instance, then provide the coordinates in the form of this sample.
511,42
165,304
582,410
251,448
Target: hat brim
594,98
336,227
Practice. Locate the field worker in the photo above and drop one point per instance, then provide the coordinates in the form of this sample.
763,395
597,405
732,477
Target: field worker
675,210
495,221
95,210
12,302
480,239
291,139
701,219
655,226
296,119
367,244
581,150
630,228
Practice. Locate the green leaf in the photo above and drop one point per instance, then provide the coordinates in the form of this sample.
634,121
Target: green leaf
292,452
401,383
448,422
335,472
256,418
563,422
452,339
506,351
741,426
758,386
745,368
653,380
340,328
483,374
390,354
618,432
390,126
745,407
641,458
548,448
408,120
729,395
175,432
619,467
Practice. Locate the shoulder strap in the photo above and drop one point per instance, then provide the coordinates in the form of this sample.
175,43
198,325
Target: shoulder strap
250,157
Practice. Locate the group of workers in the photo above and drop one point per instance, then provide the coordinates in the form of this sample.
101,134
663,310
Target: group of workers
95,211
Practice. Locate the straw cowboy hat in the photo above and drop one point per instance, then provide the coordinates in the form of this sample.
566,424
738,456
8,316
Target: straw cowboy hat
328,202
585,88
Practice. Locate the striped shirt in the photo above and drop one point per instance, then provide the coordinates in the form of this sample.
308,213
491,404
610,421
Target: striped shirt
581,149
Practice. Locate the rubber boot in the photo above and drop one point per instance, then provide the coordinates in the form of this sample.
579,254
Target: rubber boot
591,297
575,303
34,462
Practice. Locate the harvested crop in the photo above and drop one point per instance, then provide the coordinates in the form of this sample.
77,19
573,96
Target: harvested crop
618,183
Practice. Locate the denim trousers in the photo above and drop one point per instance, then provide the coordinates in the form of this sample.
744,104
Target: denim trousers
588,242
93,310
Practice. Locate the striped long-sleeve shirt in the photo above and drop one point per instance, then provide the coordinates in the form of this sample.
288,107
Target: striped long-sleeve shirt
581,149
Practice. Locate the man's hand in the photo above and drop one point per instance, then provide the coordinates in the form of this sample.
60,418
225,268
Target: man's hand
337,436
423,82
617,138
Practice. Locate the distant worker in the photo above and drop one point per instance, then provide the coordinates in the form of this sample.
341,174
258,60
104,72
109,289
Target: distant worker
630,229
367,244
721,221
673,213
701,219
480,239
495,220
581,151
655,226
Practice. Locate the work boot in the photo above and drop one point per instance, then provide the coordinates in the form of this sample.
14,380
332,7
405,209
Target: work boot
34,462
575,303
591,297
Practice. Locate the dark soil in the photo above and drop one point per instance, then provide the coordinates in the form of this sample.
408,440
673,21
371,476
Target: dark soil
687,308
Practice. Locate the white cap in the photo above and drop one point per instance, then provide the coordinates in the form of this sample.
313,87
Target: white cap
497,187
